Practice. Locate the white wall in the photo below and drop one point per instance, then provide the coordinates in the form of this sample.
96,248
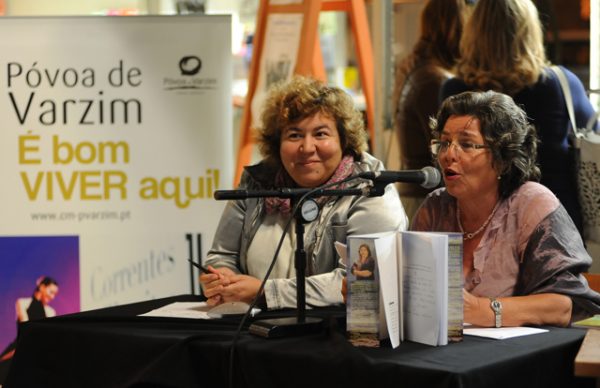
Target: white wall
71,7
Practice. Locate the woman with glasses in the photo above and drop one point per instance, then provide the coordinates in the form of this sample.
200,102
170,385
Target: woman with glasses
522,254
502,49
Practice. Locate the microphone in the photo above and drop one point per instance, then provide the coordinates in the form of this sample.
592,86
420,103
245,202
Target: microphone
279,193
287,193
428,177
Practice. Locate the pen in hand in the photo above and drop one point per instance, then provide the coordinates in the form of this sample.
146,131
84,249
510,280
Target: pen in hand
217,298
201,268
205,270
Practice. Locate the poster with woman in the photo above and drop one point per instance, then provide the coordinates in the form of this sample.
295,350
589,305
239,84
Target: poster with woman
44,283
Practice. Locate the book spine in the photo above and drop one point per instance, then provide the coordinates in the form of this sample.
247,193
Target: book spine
455,287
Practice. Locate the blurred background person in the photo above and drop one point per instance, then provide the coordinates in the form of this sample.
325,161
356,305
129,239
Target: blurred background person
523,257
419,78
502,49
311,135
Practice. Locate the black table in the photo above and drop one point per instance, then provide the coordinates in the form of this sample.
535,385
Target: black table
114,347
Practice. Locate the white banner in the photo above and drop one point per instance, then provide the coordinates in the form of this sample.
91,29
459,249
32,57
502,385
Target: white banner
115,133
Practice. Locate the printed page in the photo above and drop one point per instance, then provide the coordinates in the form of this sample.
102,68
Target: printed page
421,304
388,280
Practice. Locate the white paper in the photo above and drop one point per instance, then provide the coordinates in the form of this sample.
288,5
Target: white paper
502,332
193,310
196,310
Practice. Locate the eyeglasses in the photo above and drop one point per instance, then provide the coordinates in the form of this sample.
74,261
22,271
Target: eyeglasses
441,146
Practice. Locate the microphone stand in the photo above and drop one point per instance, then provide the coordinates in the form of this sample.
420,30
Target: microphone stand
300,324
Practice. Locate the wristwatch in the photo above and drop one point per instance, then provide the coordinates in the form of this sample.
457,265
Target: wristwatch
497,307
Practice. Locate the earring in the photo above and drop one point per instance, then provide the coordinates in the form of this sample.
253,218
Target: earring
499,177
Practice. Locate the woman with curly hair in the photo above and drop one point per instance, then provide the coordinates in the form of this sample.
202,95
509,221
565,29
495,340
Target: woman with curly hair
523,257
502,49
311,135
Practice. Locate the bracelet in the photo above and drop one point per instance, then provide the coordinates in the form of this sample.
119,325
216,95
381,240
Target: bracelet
497,308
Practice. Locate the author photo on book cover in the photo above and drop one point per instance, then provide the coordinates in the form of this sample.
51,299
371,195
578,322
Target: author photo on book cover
364,267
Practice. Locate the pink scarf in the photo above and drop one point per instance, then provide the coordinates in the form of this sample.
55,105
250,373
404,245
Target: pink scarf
282,179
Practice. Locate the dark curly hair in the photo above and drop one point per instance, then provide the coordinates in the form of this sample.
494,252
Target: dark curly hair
290,102
504,127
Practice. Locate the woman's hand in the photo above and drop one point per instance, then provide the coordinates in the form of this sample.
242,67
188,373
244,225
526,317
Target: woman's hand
214,282
240,288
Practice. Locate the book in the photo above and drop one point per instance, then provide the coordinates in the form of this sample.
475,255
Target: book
589,323
414,293
366,323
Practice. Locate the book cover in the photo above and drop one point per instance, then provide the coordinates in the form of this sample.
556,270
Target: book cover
366,319
417,286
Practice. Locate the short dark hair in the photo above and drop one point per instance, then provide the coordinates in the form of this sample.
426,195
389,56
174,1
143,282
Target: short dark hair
45,281
504,127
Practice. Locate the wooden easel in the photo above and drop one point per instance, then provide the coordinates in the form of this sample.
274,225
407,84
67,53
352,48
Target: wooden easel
309,58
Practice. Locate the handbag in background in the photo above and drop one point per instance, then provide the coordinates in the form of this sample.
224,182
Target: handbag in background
586,145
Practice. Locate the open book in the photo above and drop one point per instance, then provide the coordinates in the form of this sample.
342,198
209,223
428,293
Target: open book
414,291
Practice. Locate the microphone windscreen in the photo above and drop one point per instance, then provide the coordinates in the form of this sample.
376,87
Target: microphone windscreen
432,177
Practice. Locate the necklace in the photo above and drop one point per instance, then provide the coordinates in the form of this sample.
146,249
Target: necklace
468,236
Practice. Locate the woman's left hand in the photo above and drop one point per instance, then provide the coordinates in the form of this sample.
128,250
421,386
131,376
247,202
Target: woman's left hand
241,288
